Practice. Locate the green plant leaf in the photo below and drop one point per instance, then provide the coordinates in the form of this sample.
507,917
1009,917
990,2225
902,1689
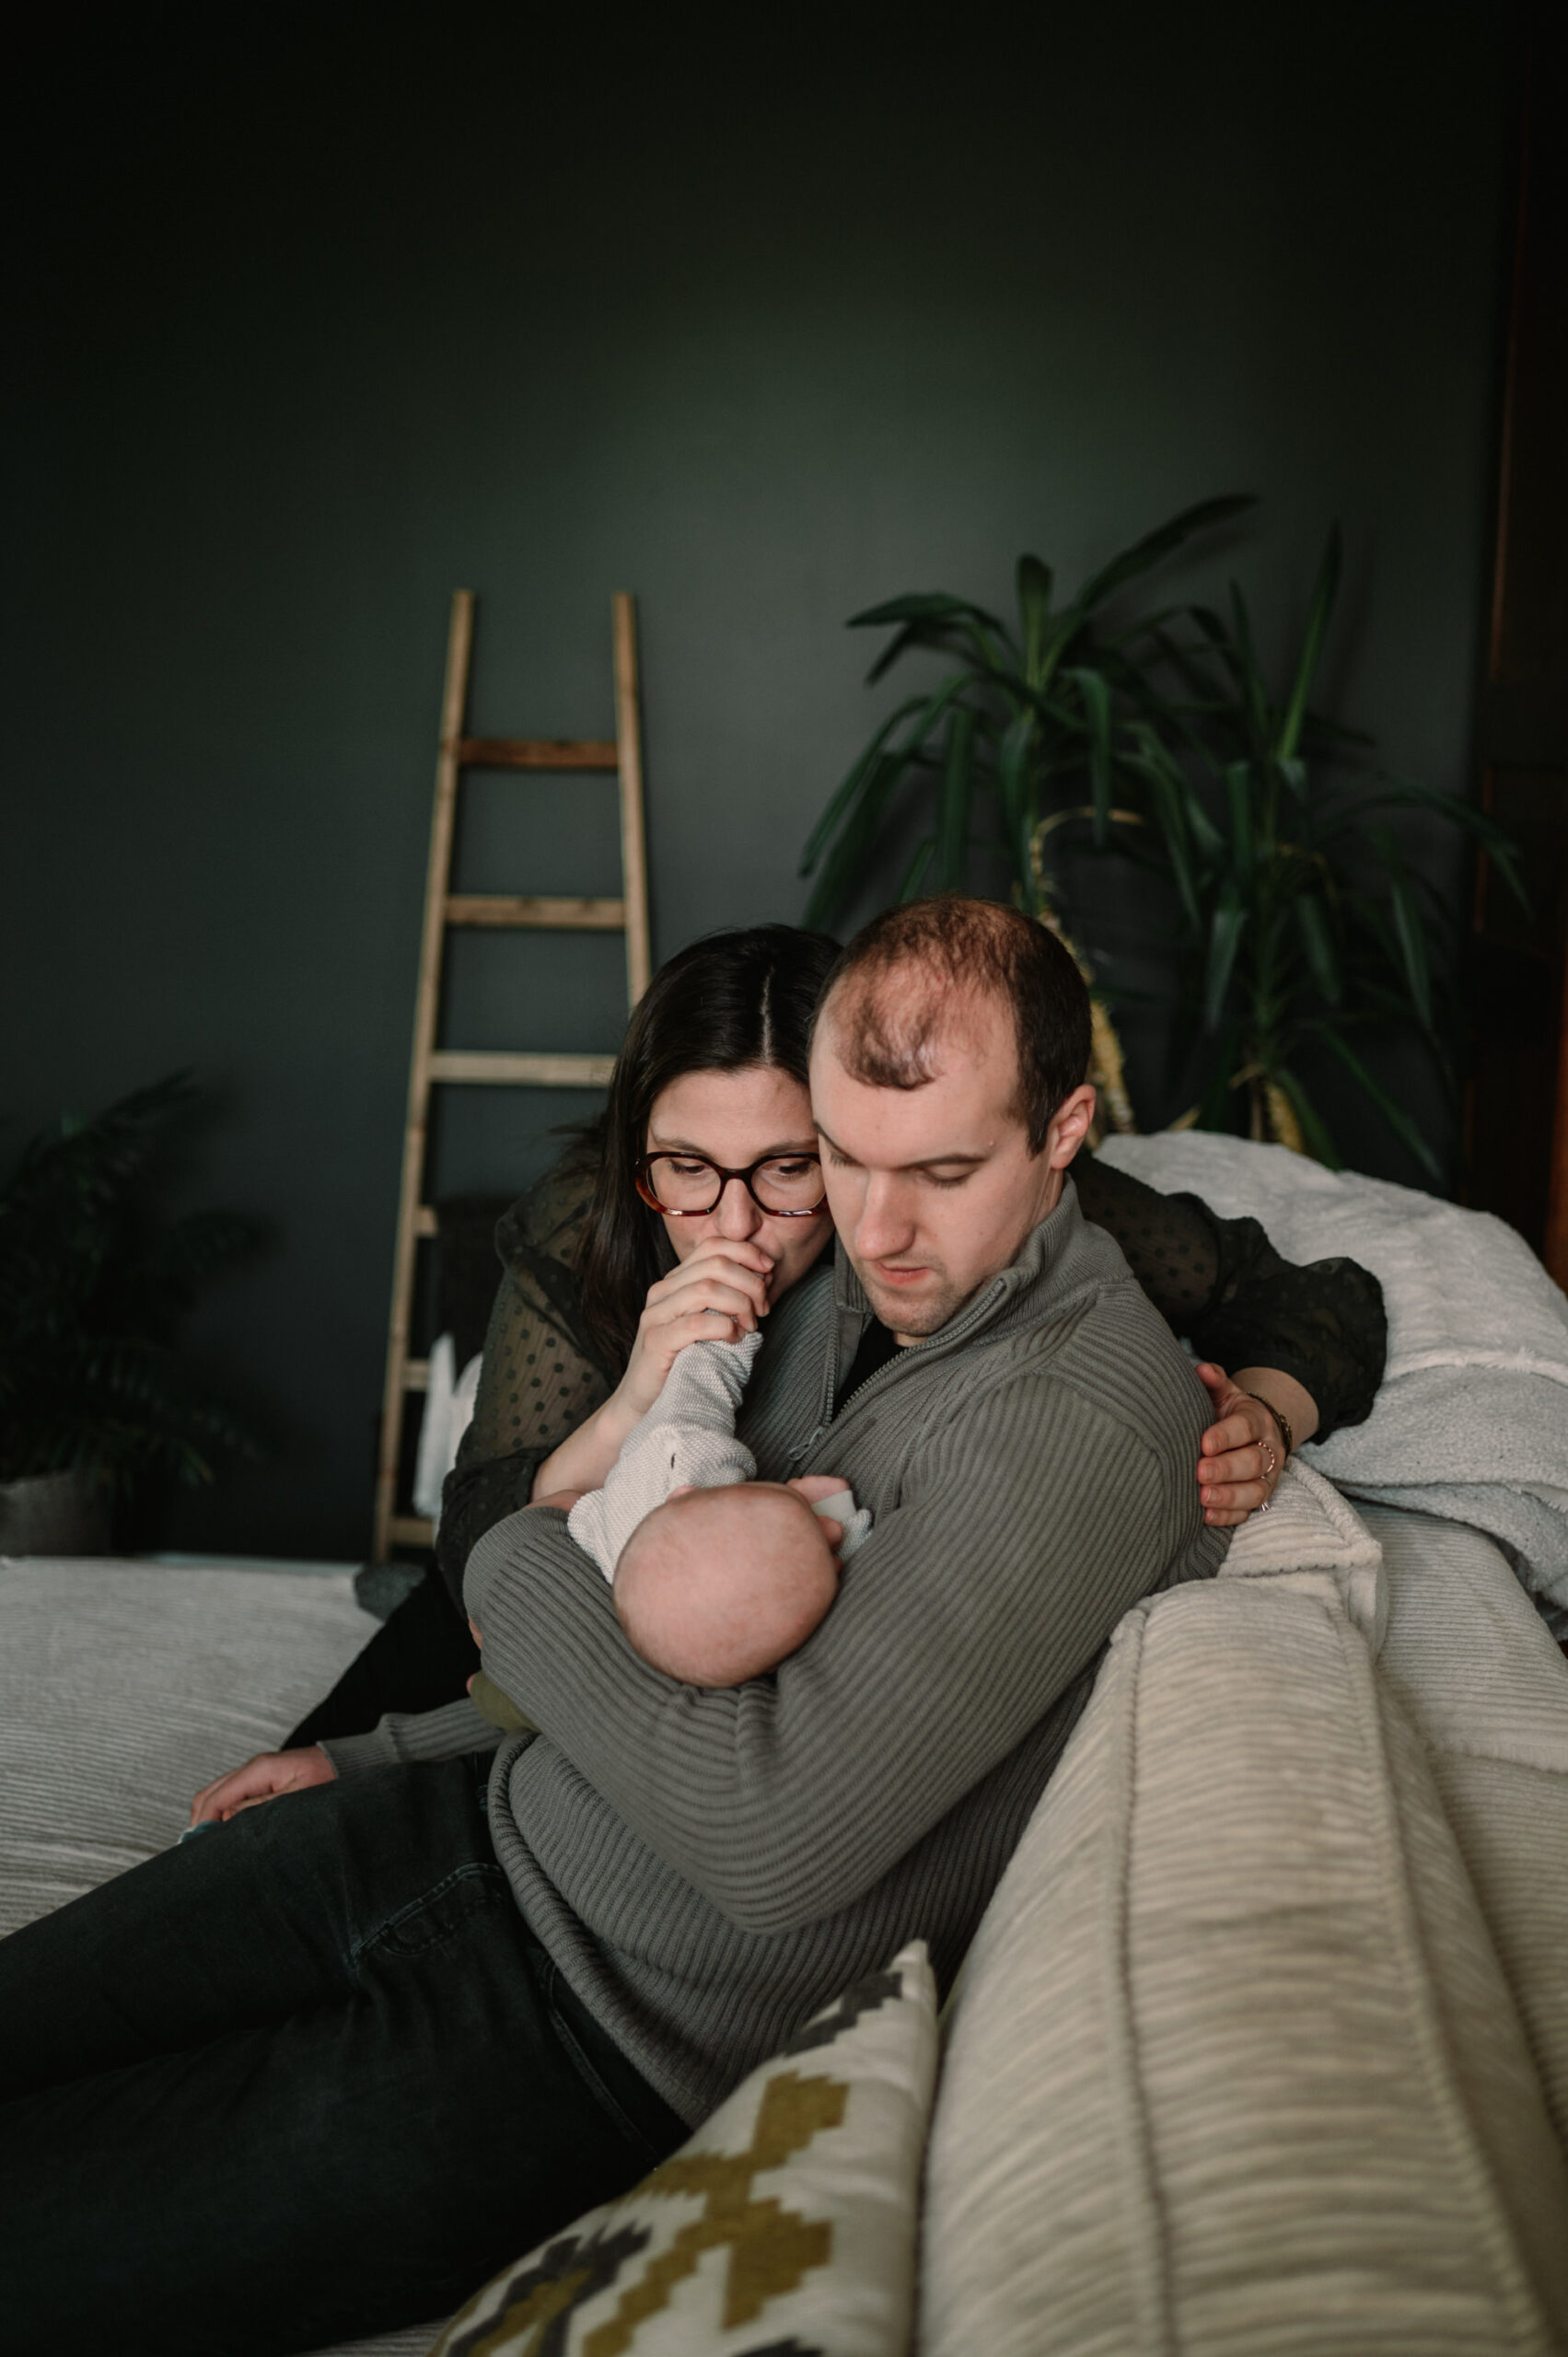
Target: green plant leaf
1214,1106
951,859
1013,790
1238,802
1226,930
1161,543
92,1288
1324,590
1398,1120
1408,926
933,605
1250,683
845,865
1411,934
845,794
1097,716
935,637
1314,1129
1496,840
914,874
1175,806
1316,927
1185,662
1034,615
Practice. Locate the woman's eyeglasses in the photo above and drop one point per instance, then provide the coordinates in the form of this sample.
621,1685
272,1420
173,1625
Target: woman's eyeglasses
688,1186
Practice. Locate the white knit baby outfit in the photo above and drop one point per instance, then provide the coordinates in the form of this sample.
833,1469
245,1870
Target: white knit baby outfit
687,1435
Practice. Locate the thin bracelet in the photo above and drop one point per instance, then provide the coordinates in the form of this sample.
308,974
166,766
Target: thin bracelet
1280,1419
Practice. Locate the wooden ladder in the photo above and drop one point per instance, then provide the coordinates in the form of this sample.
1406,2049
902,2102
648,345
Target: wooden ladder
443,907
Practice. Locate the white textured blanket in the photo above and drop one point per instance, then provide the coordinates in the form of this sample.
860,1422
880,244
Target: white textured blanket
1472,1422
125,1686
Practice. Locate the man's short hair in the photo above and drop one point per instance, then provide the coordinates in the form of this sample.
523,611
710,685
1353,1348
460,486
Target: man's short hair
953,944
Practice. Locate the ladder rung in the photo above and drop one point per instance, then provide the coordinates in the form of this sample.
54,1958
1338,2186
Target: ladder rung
538,753
528,1072
425,1221
559,916
410,1530
416,1375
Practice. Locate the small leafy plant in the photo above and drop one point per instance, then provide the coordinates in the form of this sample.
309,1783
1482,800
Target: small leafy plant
93,1288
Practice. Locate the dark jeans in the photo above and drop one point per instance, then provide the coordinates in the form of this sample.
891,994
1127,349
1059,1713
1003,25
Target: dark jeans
305,2078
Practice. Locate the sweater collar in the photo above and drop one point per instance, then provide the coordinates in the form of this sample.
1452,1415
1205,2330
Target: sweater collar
1012,1290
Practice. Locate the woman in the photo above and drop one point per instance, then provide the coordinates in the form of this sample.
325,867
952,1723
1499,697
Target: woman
600,1291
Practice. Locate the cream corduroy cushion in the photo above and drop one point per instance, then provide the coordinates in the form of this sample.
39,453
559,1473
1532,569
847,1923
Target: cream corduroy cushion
1311,1539
1234,2072
1487,1691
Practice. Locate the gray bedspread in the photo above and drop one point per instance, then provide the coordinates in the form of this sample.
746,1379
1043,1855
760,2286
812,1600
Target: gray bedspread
123,1688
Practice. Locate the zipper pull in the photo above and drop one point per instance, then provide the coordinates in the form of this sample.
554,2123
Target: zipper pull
806,1447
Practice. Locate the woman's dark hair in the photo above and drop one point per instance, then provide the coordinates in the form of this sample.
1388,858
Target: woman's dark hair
730,1002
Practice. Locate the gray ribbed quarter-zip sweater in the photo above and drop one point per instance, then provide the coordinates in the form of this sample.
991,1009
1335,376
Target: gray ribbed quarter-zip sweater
707,1868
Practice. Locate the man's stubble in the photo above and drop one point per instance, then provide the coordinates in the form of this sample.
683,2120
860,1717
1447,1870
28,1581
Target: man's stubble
919,1318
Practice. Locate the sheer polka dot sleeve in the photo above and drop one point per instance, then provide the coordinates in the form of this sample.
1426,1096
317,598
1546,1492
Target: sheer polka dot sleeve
541,1378
1220,1284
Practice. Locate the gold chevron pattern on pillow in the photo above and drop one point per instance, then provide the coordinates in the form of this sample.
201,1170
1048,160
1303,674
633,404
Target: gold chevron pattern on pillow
784,2228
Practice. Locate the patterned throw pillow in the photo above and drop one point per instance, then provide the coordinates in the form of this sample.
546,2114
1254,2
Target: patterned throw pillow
785,2227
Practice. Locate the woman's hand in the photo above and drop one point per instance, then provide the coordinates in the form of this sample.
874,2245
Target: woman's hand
716,1295
261,1779
719,1293
1242,1455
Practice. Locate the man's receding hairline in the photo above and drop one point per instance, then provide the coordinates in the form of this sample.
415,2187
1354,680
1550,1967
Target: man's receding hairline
876,1055
917,973
950,997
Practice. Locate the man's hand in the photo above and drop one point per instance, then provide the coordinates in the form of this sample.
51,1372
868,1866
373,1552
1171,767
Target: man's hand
261,1779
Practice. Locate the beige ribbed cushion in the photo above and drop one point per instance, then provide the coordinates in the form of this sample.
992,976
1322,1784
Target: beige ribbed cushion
125,1686
122,1687
1234,2069
1313,1539
1487,1689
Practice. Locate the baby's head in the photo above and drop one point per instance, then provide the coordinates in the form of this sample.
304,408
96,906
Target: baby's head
716,1587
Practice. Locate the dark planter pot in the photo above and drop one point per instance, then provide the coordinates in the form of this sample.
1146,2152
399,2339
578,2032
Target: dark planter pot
55,1514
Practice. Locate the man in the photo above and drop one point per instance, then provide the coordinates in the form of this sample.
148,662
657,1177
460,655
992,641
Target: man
674,1877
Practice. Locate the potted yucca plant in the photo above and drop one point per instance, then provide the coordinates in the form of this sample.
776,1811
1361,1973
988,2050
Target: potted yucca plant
1299,924
94,1397
1025,722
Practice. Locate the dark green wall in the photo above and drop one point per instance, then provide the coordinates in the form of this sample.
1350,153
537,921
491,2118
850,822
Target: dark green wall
323,314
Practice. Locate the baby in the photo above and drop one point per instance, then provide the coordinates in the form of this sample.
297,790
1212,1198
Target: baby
717,1576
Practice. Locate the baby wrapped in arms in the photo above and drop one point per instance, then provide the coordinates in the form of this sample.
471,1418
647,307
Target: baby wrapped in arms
717,1576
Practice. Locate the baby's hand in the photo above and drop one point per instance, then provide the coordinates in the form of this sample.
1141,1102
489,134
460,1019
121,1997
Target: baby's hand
814,1487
